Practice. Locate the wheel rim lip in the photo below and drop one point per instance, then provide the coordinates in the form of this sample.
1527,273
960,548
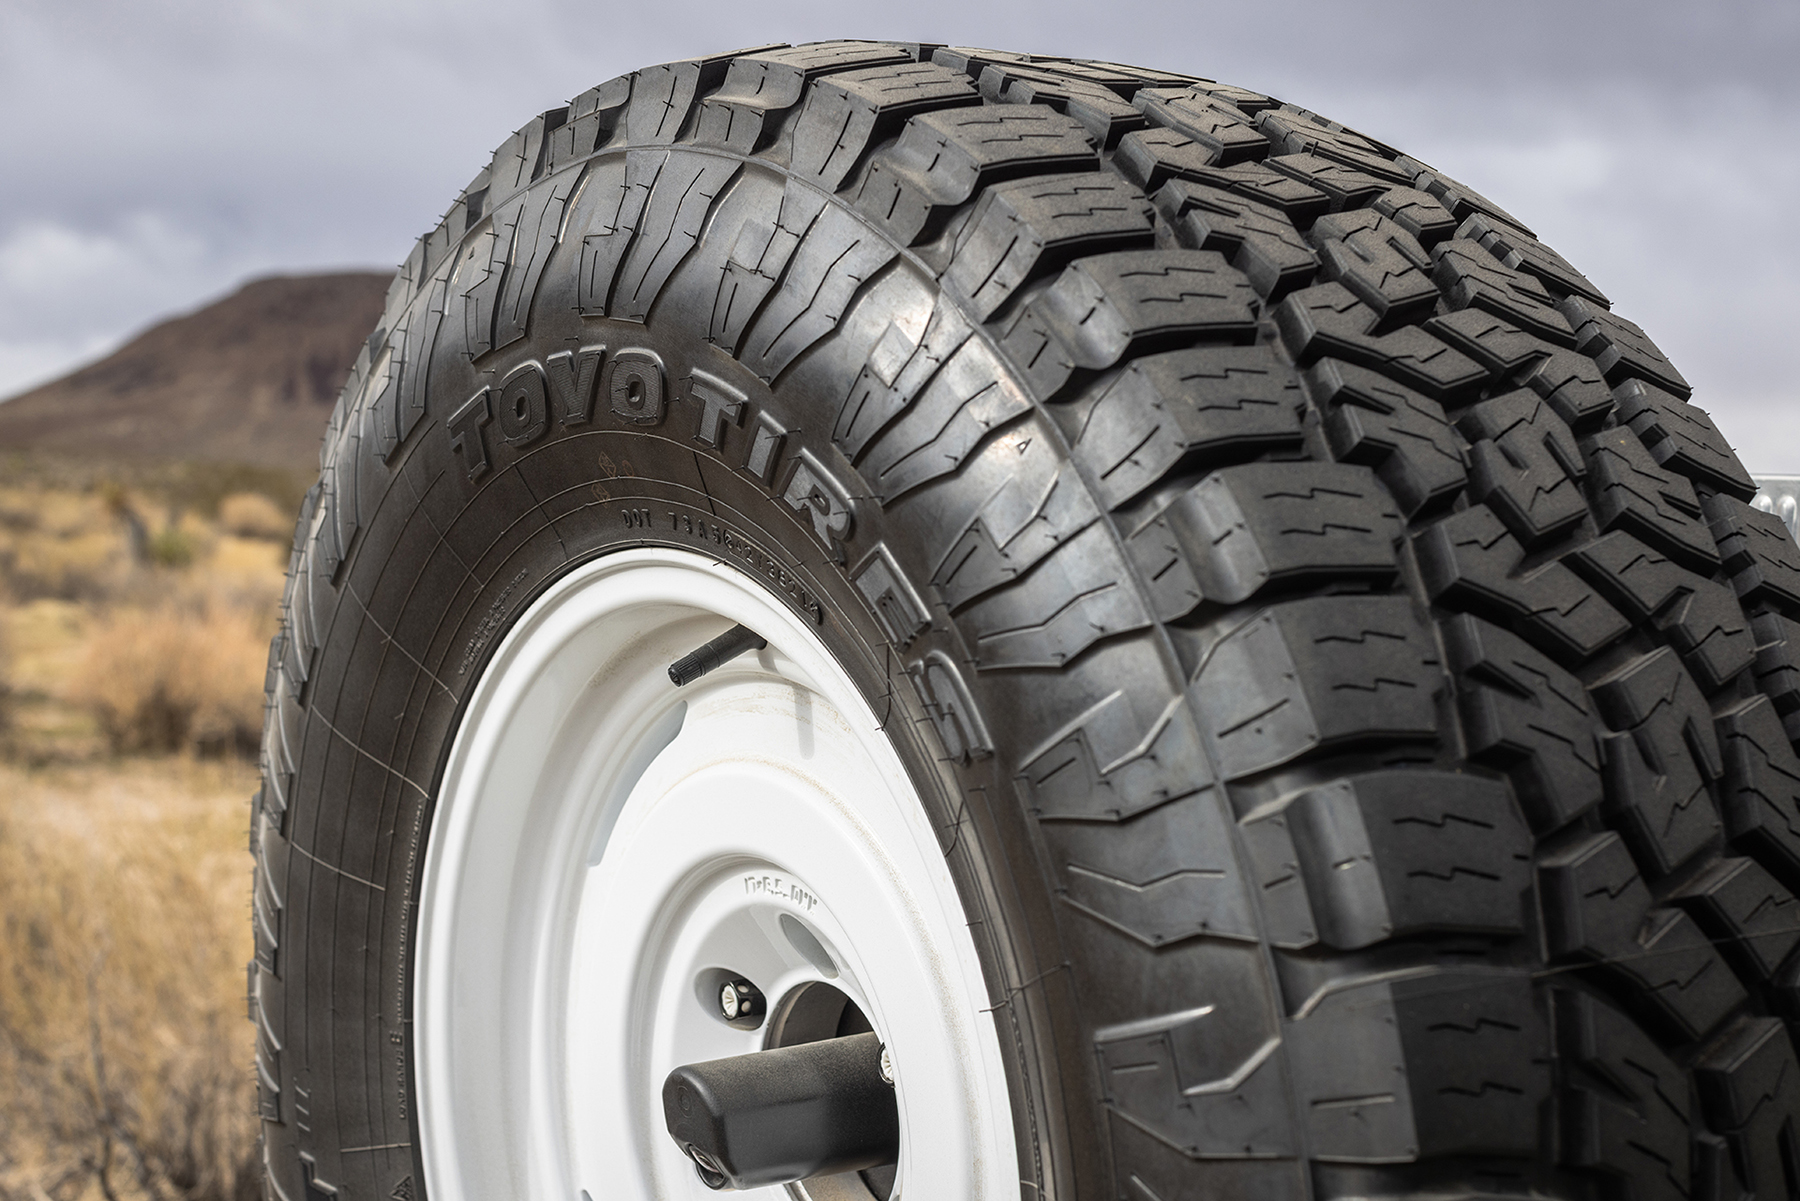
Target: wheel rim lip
632,608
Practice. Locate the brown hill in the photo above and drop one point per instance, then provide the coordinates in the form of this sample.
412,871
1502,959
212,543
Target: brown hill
248,379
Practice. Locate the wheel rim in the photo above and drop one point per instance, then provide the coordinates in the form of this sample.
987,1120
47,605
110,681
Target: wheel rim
605,849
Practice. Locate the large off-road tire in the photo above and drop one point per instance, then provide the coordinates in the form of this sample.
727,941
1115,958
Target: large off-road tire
1348,691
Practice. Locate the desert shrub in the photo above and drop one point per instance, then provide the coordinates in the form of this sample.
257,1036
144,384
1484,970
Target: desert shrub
123,1044
186,675
253,515
171,546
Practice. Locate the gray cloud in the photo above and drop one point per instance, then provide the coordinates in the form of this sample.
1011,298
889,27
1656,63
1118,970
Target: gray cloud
156,155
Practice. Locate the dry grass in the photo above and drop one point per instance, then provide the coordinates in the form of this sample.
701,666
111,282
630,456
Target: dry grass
253,515
123,930
183,675
134,620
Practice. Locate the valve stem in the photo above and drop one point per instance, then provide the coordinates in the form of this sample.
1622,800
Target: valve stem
720,650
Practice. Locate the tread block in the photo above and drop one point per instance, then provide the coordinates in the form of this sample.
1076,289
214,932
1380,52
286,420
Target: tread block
1380,263
1418,213
1626,1111
1683,438
1750,1090
1748,913
1115,761
662,97
1103,306
1006,510
837,255
1631,493
1328,320
1296,132
1226,131
1394,853
1260,241
1151,158
1568,381
1024,228
1349,1070
1344,186
1460,199
1182,409
1660,767
593,116
659,195
965,400
736,116
1621,349
942,158
1525,466
1759,553
1701,618
845,114
1474,1061
1521,252
1206,1080
1327,671
1471,561
1777,664
759,255
1373,421
1760,795
1161,877
1471,278
1598,911
907,357
1525,716
1244,528
538,227
1075,596
952,710
1099,109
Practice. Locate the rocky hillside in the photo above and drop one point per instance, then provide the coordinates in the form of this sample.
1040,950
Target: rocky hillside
248,379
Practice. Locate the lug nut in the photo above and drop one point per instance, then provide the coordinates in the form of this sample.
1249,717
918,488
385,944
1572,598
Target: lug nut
740,1000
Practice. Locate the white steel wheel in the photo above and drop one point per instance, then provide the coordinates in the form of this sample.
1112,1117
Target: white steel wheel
607,850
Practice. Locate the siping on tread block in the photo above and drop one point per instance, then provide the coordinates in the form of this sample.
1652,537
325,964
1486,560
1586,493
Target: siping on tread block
1151,158
1395,853
1525,466
1471,278
1116,759
1244,528
1749,914
1759,553
1750,1089
1160,877
1260,241
1701,618
1661,766
1099,109
756,87
1343,185
1760,793
1026,228
1620,349
1102,307
1462,200
847,113
1181,410
1598,911
1683,438
1630,492
1521,252
1327,320
1380,263
1626,1109
1568,381
1471,561
1308,674
1371,420
942,158
1418,213
1777,665
1076,596
1227,133
1525,716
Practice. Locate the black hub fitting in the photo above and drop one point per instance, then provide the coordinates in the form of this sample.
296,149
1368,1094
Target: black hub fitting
725,647
775,1117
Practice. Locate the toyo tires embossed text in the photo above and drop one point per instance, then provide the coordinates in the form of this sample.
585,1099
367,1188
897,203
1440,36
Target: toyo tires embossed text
1355,700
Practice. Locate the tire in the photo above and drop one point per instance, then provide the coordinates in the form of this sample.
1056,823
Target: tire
1352,694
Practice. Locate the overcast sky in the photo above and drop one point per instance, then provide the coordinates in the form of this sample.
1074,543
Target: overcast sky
154,155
